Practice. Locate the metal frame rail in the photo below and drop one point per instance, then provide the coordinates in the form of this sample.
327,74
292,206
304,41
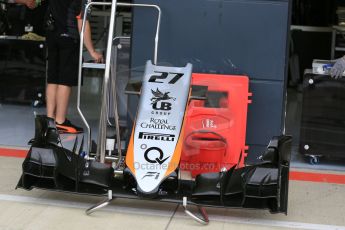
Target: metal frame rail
102,135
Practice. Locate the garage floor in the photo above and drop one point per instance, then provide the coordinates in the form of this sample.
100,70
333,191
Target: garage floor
316,198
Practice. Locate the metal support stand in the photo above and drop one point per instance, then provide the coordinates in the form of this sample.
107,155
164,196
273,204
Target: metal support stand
202,220
101,143
113,91
101,204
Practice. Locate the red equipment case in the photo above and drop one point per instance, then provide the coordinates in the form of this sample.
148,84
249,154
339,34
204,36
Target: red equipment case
215,129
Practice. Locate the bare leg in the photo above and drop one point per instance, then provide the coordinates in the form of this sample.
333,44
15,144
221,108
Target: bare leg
62,98
51,99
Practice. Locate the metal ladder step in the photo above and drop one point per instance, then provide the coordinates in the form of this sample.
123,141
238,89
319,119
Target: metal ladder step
91,65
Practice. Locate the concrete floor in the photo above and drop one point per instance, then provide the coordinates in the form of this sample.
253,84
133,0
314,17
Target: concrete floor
311,206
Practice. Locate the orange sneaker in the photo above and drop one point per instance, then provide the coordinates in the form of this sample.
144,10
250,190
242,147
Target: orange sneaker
68,127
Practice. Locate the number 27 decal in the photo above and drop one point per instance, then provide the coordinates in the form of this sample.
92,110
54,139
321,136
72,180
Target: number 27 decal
161,77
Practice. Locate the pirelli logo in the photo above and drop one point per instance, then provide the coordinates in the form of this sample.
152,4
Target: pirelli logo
156,136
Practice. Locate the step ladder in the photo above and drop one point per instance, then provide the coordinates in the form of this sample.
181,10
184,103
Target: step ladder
109,83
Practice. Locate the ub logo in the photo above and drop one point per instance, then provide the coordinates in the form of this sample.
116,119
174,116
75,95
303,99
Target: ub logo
159,96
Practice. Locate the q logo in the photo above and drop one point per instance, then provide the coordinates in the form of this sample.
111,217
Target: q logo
160,160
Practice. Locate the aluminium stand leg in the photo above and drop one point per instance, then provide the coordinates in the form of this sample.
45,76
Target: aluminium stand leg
204,216
101,204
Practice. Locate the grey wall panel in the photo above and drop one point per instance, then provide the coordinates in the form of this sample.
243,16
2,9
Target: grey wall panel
213,35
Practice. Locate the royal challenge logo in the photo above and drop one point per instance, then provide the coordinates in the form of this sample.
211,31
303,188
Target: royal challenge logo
158,124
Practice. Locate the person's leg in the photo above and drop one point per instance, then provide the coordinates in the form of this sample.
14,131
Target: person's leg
62,123
63,93
51,90
52,74
68,77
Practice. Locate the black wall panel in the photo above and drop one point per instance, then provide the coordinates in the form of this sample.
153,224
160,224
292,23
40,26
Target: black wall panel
265,112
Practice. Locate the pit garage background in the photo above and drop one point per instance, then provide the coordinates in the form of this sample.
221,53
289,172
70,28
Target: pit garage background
227,37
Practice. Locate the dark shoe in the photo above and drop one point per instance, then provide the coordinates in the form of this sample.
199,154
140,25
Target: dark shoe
45,131
68,127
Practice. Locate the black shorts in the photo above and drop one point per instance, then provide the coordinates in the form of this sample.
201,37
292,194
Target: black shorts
63,60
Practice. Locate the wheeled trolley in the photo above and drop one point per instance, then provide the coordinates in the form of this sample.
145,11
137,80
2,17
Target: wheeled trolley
323,117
